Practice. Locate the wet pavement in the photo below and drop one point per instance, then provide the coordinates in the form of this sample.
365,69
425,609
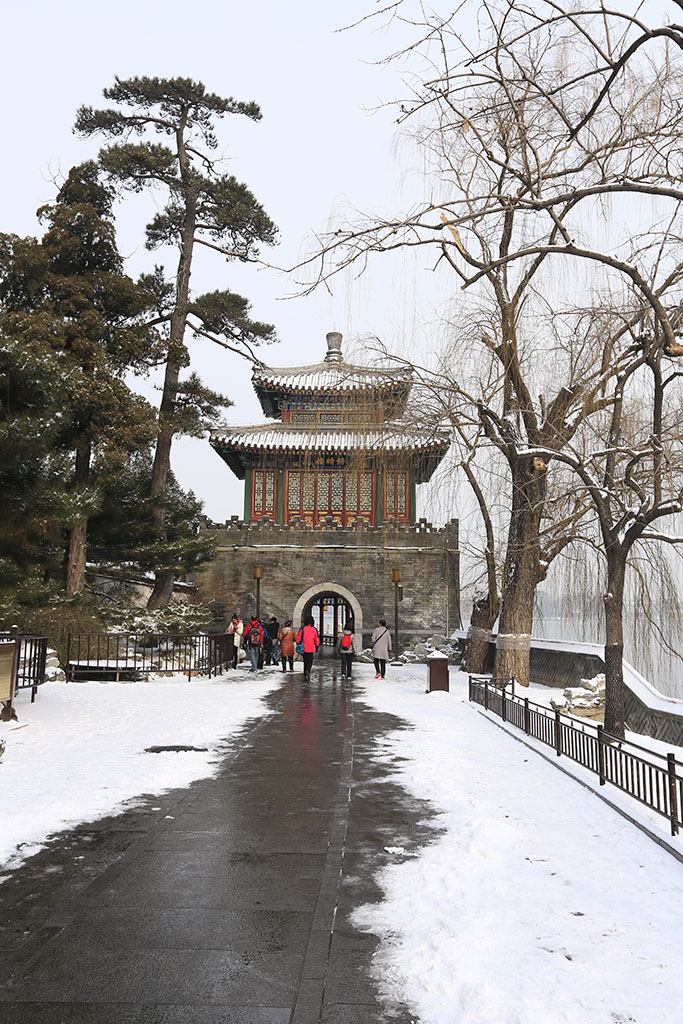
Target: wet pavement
228,902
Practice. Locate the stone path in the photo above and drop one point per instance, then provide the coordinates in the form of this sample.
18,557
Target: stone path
231,904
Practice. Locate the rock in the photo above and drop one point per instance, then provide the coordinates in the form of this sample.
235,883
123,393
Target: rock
420,650
438,641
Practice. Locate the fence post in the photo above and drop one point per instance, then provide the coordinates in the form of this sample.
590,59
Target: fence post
601,756
503,710
673,796
68,654
527,716
558,733
486,694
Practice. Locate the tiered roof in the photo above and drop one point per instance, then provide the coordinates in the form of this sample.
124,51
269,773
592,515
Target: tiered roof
385,387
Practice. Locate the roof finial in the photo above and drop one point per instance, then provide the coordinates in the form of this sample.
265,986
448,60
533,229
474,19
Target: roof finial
334,352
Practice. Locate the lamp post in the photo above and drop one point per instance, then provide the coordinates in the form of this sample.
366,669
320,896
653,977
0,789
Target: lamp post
398,596
258,574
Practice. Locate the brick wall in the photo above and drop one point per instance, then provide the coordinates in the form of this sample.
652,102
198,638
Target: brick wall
295,559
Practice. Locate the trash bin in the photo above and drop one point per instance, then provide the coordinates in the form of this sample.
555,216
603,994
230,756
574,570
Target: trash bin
437,671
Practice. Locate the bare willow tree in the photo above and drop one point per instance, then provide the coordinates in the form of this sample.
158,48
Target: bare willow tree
529,177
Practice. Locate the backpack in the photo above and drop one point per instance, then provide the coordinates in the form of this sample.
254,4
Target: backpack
345,642
255,636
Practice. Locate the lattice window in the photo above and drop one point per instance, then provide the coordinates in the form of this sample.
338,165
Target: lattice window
332,417
270,491
351,492
391,494
293,491
309,485
323,492
366,492
258,491
304,417
401,494
337,492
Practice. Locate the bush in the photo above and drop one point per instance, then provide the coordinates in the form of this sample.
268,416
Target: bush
61,616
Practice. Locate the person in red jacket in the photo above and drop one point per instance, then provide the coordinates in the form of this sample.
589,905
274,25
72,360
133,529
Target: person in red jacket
253,641
308,636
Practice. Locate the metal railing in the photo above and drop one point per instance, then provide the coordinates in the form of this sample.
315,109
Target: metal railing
655,780
31,661
139,654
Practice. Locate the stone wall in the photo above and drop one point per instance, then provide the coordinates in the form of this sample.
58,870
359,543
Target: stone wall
356,562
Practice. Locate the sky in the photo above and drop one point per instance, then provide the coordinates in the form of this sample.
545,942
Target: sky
325,142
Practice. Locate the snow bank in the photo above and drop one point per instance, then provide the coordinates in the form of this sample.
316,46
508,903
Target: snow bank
539,904
78,752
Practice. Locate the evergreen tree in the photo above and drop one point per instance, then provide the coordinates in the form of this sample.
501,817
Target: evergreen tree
122,534
203,207
67,295
35,500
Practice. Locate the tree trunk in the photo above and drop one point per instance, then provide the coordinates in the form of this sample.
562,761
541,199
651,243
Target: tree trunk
78,549
523,572
614,642
478,636
163,586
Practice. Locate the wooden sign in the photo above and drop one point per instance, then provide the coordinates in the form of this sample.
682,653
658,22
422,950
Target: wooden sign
8,669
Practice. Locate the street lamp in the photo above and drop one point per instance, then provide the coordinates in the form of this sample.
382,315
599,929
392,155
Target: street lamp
258,574
398,596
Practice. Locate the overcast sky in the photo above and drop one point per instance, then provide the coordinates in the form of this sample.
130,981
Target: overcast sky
322,144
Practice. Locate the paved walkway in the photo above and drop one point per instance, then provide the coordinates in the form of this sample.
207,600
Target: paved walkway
231,905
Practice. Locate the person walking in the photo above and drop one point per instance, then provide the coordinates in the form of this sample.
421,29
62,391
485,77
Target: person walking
346,648
270,636
309,639
381,648
253,641
286,638
236,627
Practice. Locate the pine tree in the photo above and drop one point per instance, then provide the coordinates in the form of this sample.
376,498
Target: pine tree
203,207
35,499
67,295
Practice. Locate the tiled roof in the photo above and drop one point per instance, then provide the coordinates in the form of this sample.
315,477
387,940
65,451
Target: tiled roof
286,437
328,377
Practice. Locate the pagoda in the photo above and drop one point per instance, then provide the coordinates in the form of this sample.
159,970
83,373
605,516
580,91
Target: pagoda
329,526
340,448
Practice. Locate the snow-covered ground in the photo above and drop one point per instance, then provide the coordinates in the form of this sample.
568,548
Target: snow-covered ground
78,752
540,904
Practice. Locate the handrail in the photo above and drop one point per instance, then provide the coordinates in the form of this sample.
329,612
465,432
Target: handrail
657,785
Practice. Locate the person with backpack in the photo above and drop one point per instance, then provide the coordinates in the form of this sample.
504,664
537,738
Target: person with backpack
286,638
346,648
381,648
253,641
307,643
272,628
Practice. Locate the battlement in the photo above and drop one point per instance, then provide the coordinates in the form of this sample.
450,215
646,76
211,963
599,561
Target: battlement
234,532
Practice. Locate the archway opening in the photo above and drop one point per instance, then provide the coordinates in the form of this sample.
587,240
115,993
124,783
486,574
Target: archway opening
331,613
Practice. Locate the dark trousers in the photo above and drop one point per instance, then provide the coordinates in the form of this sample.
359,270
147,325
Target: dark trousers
380,666
235,656
286,659
267,648
308,661
346,662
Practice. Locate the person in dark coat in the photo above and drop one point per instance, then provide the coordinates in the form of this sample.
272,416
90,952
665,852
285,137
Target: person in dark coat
346,649
308,636
271,632
381,648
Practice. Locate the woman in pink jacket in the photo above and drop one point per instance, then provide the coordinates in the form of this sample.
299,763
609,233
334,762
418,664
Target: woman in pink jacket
308,636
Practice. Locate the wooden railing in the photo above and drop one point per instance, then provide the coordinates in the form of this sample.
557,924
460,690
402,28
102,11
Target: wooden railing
31,661
655,780
139,654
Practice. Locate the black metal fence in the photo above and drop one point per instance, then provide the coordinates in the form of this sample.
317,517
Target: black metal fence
31,659
656,780
139,654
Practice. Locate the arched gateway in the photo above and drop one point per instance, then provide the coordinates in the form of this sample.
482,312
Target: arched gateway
330,504
331,606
